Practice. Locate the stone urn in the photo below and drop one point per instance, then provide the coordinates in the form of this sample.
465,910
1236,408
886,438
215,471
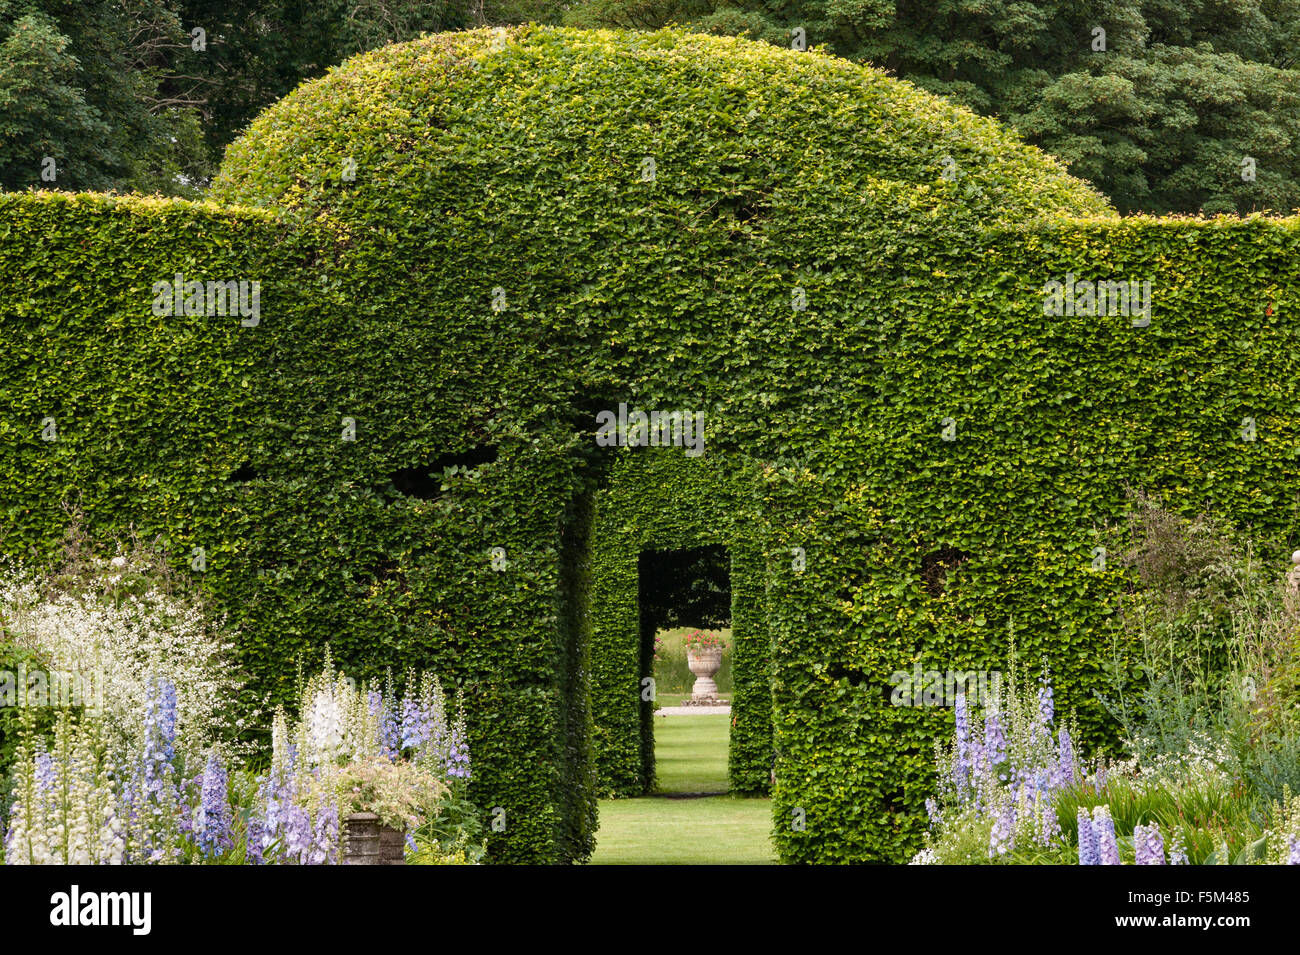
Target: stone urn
704,662
369,843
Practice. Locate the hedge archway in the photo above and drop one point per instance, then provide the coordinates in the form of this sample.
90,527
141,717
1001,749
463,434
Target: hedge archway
671,502
601,209
472,244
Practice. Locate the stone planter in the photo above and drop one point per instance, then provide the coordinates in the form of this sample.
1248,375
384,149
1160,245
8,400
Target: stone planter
704,663
369,843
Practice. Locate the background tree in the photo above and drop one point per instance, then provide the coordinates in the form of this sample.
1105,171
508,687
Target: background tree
1166,106
79,97
260,50
125,94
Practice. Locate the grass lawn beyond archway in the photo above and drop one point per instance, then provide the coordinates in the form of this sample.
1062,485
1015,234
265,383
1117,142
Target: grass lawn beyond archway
690,757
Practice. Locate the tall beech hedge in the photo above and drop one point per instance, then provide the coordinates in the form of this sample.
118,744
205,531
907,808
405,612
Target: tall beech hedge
295,453
1053,420
470,244
672,221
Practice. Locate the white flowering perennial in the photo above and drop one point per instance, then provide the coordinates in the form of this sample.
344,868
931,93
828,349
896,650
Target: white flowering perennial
336,725
119,632
1202,760
354,747
66,803
342,724
145,774
1283,834
74,804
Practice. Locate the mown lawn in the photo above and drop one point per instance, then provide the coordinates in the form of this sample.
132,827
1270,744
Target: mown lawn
691,757
713,830
691,753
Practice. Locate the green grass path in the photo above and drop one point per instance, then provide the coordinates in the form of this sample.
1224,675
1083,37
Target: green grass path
691,753
690,756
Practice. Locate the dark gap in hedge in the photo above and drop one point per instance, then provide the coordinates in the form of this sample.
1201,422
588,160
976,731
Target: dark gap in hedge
852,582
584,409
895,801
425,481
740,208
837,671
244,472
689,587
935,567
384,569
887,694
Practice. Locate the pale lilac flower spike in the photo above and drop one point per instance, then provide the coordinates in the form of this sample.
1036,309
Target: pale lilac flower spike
1104,827
1148,846
1088,854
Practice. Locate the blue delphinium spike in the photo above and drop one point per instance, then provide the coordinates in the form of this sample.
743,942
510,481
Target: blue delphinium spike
1088,854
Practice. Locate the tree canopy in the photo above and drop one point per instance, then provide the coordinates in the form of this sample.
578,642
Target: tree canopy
1166,107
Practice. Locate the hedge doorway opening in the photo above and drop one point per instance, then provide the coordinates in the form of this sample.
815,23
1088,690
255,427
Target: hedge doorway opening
674,544
688,587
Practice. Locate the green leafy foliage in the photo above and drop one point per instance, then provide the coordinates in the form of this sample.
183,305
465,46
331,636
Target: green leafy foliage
16,719
667,502
467,256
1053,418
80,99
474,150
1157,104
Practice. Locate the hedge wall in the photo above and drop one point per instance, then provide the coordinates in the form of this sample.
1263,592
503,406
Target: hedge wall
670,220
472,256
233,439
1055,418
138,412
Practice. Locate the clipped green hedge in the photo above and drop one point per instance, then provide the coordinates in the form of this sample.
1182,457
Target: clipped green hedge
1055,417
644,210
208,434
659,499
467,256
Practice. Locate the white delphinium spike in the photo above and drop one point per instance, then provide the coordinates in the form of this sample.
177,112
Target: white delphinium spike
324,729
279,745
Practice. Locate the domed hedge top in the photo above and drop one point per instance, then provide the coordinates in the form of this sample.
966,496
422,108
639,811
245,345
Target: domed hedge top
557,217
531,104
